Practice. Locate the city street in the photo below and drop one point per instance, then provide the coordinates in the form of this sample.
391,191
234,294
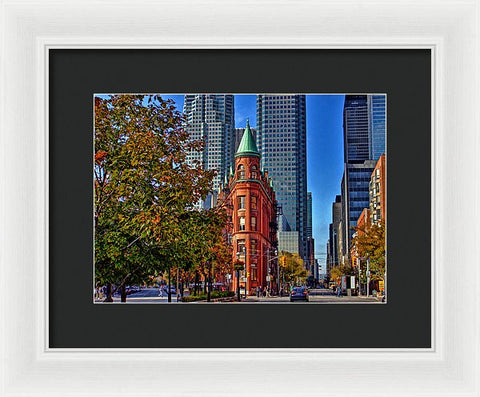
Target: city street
319,295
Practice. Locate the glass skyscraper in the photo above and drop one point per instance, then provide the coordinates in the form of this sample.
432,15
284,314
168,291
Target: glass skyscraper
364,132
355,129
281,139
377,125
212,117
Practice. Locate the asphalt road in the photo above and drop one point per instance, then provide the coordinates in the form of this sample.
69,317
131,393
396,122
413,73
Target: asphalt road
320,295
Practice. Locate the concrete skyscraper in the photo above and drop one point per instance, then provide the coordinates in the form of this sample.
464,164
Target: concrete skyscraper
281,139
212,117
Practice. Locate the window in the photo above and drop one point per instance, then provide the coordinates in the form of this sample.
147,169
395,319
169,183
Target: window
253,202
254,173
253,223
241,172
241,246
254,274
241,225
241,202
253,244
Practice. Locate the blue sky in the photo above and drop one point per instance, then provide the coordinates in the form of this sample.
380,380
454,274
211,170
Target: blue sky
324,154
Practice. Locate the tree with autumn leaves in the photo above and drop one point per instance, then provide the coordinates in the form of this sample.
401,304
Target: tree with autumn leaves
292,270
145,223
369,242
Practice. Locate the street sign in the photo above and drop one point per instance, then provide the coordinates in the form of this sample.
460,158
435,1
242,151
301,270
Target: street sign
381,285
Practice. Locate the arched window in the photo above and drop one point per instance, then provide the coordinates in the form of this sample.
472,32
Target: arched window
253,172
241,172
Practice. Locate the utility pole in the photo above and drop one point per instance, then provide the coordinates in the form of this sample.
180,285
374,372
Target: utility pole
359,284
368,277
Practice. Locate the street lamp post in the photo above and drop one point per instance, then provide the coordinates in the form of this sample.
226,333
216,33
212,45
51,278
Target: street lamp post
237,270
238,285
270,272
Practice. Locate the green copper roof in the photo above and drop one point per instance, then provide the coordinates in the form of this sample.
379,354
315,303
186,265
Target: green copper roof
247,145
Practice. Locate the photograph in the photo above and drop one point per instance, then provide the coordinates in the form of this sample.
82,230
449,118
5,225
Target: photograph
239,198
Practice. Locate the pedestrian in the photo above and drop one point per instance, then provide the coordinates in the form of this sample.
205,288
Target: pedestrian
258,292
339,291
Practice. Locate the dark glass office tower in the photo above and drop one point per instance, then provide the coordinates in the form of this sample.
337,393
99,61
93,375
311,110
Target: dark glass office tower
356,129
364,133
281,139
212,117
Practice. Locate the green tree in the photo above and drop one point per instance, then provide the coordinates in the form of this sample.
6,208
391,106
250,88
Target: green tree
143,187
205,251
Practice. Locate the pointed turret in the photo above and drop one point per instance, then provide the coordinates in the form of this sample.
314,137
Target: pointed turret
247,145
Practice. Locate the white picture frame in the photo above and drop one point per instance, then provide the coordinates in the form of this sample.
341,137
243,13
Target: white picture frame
31,28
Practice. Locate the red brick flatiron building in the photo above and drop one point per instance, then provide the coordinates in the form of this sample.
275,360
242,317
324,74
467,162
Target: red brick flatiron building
251,204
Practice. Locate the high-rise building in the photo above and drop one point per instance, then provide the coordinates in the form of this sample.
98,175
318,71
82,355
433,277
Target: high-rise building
364,127
355,129
310,252
281,139
334,252
364,132
309,215
212,117
377,191
355,197
377,125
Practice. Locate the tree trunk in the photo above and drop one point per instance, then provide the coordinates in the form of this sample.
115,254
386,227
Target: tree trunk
177,288
209,293
169,287
109,297
123,293
204,283
195,288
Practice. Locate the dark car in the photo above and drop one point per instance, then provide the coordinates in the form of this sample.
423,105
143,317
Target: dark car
299,294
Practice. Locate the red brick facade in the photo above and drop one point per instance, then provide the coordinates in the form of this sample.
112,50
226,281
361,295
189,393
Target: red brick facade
252,207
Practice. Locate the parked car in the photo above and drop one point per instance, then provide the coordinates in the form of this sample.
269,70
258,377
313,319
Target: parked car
163,291
299,294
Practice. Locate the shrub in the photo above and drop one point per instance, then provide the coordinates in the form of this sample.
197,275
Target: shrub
203,297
